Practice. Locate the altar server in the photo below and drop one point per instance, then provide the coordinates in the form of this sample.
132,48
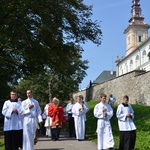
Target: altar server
32,116
12,123
79,111
127,128
70,118
103,112
48,121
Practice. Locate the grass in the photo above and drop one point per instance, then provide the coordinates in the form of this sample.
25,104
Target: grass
1,137
142,122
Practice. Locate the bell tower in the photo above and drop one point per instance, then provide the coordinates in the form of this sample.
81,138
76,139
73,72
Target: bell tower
137,30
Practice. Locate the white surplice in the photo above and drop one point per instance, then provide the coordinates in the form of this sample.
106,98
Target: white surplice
105,138
124,123
69,108
30,121
12,121
48,121
79,120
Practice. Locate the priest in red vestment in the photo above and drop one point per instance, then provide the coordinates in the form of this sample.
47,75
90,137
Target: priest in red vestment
56,111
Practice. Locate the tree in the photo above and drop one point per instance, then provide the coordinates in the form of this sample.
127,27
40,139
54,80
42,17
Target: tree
36,35
149,55
61,85
38,84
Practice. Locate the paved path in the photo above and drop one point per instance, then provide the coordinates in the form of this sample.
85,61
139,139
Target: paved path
64,143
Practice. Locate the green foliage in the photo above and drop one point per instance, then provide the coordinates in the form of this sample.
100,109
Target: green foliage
142,122
149,55
61,86
36,35
39,88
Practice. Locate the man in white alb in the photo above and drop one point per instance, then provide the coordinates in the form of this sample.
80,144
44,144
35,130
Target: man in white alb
32,116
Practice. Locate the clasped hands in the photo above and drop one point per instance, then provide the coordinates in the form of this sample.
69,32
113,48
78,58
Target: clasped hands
30,106
81,108
129,115
104,110
14,110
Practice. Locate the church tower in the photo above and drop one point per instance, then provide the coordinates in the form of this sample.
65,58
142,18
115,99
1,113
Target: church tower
137,31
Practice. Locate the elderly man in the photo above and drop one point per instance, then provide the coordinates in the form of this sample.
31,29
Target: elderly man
56,112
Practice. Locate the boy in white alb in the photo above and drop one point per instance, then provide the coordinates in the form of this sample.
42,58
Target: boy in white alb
125,115
103,112
79,111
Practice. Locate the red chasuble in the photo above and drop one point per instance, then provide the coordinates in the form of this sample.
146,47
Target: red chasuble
57,113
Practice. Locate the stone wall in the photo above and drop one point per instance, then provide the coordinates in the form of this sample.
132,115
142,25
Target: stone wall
135,84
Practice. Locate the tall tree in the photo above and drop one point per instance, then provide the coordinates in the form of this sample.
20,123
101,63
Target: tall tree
52,84
36,35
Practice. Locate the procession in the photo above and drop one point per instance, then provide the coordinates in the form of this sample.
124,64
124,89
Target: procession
23,120
69,80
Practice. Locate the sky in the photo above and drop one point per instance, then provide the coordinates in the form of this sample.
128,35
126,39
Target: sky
113,16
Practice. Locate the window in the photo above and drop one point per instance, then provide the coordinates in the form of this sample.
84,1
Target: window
131,65
126,68
137,14
140,39
137,61
120,71
144,57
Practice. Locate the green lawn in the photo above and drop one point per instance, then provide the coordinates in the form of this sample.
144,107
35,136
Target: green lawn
142,122
1,137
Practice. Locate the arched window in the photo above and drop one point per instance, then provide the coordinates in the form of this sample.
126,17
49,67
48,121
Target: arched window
126,68
137,14
120,71
144,57
131,65
137,61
